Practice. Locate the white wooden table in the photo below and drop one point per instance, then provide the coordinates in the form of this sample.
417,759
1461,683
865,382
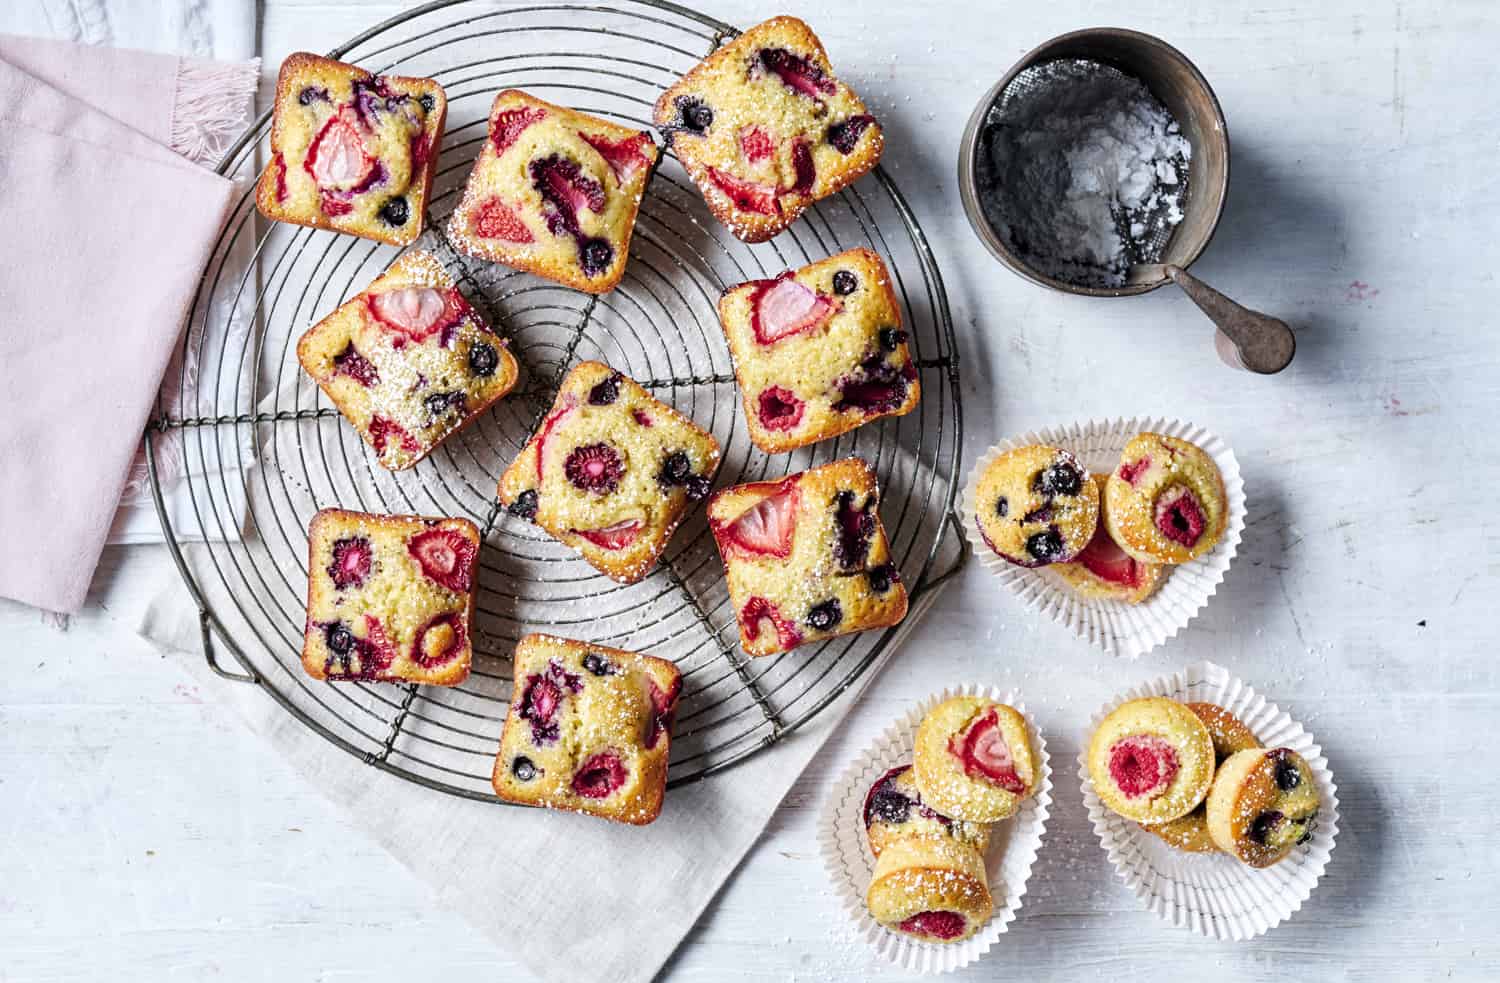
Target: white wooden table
145,836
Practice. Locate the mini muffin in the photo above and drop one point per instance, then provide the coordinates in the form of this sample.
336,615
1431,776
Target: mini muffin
1151,760
894,810
1105,572
1190,832
1263,804
974,759
934,890
1035,505
1166,500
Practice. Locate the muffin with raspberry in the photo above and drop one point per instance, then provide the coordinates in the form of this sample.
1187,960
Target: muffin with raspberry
894,809
974,759
819,351
1034,505
351,151
932,889
554,192
1229,735
1151,760
1103,571
1263,805
1166,501
610,471
765,129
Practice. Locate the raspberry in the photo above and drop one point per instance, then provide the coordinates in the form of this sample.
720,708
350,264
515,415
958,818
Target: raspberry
594,468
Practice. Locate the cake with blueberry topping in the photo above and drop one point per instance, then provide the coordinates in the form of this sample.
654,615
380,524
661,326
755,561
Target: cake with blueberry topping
351,151
806,557
407,361
932,889
1151,760
1034,505
589,729
894,810
390,598
610,471
1103,571
765,129
819,351
1166,500
1229,735
973,759
554,192
1262,805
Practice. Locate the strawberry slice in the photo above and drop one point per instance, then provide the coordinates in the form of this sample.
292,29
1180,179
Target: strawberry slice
377,651
414,312
663,706
330,203
766,528
783,307
439,641
615,537
756,144
279,163
746,195
985,754
1103,558
624,157
797,73
509,123
445,557
337,157
760,615
496,220
565,405
1133,470
383,429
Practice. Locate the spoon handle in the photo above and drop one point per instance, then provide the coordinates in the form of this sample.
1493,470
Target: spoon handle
1262,343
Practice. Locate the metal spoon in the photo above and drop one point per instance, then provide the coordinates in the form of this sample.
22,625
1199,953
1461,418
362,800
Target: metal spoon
1246,339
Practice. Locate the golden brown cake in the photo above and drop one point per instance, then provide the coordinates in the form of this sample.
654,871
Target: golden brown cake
1034,505
1190,832
806,557
1151,760
610,471
894,810
554,192
589,730
1104,571
819,351
390,598
934,890
1166,500
1262,805
974,759
765,129
351,151
407,361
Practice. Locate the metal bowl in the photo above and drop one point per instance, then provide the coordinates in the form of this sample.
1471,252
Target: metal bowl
1180,87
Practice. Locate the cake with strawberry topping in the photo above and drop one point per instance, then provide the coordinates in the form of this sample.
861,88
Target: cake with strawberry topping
1103,571
390,598
351,151
554,192
933,889
894,809
806,557
610,471
819,351
1034,505
1151,760
408,361
1229,736
974,760
589,729
765,129
1166,500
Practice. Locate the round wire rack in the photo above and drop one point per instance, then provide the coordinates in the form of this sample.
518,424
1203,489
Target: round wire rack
245,449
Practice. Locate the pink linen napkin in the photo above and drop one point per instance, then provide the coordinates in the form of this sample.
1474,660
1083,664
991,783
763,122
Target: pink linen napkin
106,231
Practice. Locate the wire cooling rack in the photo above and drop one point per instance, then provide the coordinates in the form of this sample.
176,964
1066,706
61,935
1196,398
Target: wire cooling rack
241,460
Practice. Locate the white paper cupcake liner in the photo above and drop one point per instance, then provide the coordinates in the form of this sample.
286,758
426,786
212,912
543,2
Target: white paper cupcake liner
1127,630
1013,843
1212,893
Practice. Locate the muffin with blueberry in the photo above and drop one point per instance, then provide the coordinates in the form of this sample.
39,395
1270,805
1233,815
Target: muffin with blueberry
894,810
1263,805
1229,735
1035,505
1151,760
1165,503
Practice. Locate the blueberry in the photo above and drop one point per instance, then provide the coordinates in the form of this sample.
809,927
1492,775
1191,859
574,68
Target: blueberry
597,664
824,616
1002,507
523,768
693,114
882,577
312,94
426,103
595,256
892,338
890,806
697,488
675,469
1263,824
440,403
1045,546
605,392
524,507
1060,479
395,212
1288,776
339,638
483,359
845,283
